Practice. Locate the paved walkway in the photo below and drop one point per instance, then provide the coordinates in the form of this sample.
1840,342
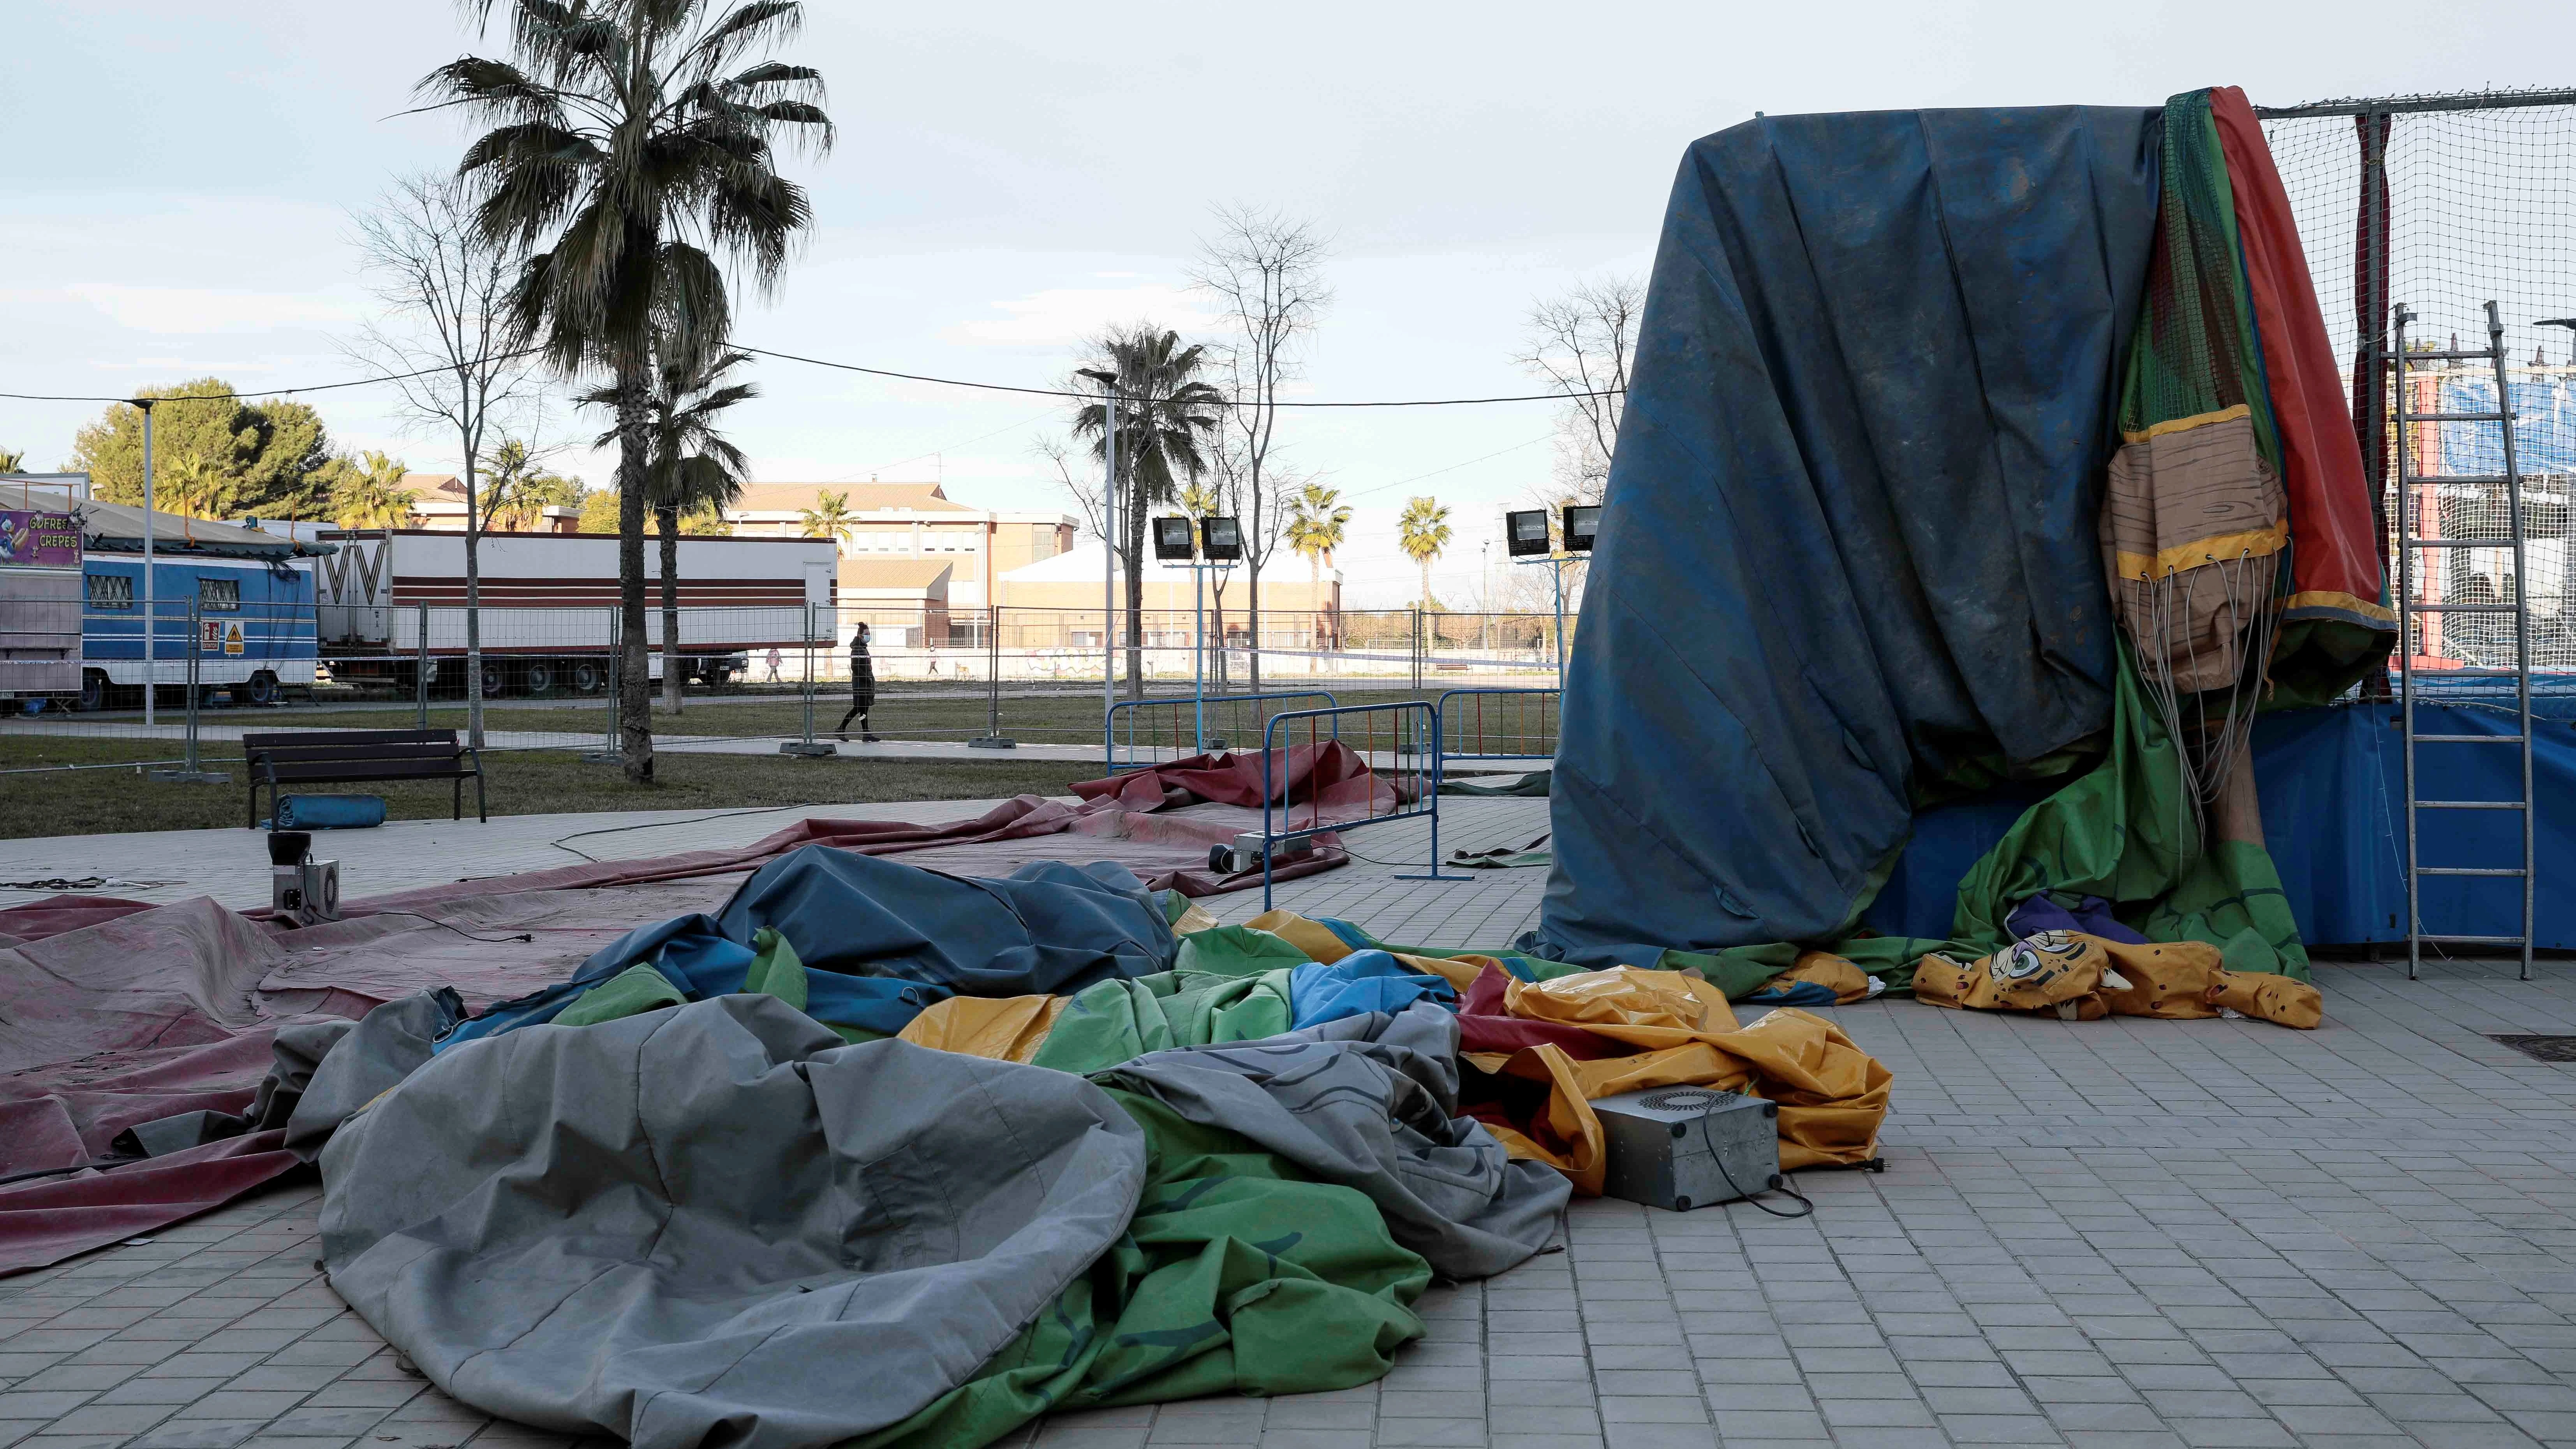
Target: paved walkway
2116,1233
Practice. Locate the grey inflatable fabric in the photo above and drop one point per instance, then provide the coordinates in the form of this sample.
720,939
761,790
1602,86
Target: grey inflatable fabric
716,1224
363,1061
1371,1102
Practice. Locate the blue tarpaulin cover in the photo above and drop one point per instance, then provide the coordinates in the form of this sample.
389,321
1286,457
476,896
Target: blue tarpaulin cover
1849,547
2334,817
880,940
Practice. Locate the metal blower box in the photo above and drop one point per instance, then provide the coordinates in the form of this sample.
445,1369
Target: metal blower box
1684,1147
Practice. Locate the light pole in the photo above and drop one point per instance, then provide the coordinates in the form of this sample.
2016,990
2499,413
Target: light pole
1214,542
151,624
1525,536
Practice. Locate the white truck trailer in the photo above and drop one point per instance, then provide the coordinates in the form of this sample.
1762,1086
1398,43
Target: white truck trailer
392,603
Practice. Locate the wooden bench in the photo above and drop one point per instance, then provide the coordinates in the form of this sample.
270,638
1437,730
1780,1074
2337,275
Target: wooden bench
332,757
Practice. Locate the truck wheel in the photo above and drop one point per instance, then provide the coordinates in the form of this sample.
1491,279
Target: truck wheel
717,677
262,689
93,691
496,679
588,677
538,677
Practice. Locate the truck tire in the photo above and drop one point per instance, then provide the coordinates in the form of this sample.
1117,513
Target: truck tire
588,676
537,676
496,679
261,690
93,691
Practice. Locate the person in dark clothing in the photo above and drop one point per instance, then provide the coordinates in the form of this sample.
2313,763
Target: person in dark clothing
863,688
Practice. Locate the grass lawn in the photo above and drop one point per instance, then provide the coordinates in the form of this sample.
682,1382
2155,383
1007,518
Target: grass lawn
528,782
901,714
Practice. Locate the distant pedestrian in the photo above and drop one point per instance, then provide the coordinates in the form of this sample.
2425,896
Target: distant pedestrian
863,688
774,662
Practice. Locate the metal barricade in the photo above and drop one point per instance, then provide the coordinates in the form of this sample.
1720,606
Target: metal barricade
1499,724
1399,742
1161,723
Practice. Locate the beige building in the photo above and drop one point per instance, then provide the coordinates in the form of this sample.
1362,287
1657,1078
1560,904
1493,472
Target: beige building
890,524
438,502
1296,612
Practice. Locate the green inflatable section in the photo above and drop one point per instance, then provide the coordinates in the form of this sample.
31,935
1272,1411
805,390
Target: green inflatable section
2126,833
1227,984
1238,1276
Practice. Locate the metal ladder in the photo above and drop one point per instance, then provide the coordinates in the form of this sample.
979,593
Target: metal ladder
2410,539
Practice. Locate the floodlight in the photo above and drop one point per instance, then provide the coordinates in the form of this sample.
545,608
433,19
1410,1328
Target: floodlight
1582,521
1525,532
1221,538
1173,541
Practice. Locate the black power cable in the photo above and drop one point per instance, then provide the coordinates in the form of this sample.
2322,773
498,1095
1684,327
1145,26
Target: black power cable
1779,1182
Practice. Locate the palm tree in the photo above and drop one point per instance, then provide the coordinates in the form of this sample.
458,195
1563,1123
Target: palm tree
190,487
830,517
694,470
520,488
625,143
1165,414
370,494
1422,531
11,460
1317,523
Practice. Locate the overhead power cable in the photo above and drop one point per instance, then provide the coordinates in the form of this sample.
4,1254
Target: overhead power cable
274,391
1435,402
1432,402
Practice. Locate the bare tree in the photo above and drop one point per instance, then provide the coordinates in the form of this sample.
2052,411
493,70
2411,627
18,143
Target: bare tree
445,345
1260,508
1582,344
1267,269
1076,478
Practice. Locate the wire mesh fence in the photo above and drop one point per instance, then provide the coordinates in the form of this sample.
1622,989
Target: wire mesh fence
732,678
2441,204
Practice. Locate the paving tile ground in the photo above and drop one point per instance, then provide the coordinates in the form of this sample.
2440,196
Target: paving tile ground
2117,1233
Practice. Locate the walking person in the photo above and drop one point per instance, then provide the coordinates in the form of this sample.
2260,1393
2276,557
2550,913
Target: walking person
863,688
774,661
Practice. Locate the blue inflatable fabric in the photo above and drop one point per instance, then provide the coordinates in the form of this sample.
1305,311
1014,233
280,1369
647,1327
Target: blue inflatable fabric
882,940
1357,984
1849,542
2334,818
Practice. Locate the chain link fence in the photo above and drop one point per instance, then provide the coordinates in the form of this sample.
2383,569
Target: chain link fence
551,678
2441,204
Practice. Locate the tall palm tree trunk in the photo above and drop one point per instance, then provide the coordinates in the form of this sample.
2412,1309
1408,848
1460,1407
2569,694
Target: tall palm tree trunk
634,461
674,664
1315,638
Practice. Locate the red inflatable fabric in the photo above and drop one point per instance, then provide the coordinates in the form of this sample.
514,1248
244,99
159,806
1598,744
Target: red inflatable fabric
2334,569
48,1220
1329,778
54,915
1484,1026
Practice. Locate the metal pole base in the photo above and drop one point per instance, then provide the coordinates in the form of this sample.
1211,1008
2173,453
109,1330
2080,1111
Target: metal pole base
1433,875
810,749
993,742
603,757
190,777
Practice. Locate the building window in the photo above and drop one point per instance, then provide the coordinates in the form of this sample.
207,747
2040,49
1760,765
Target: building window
219,596
111,591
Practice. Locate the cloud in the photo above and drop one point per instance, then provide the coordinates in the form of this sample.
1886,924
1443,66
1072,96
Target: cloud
191,310
1063,315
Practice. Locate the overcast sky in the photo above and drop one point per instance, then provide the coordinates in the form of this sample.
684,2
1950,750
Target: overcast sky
177,179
